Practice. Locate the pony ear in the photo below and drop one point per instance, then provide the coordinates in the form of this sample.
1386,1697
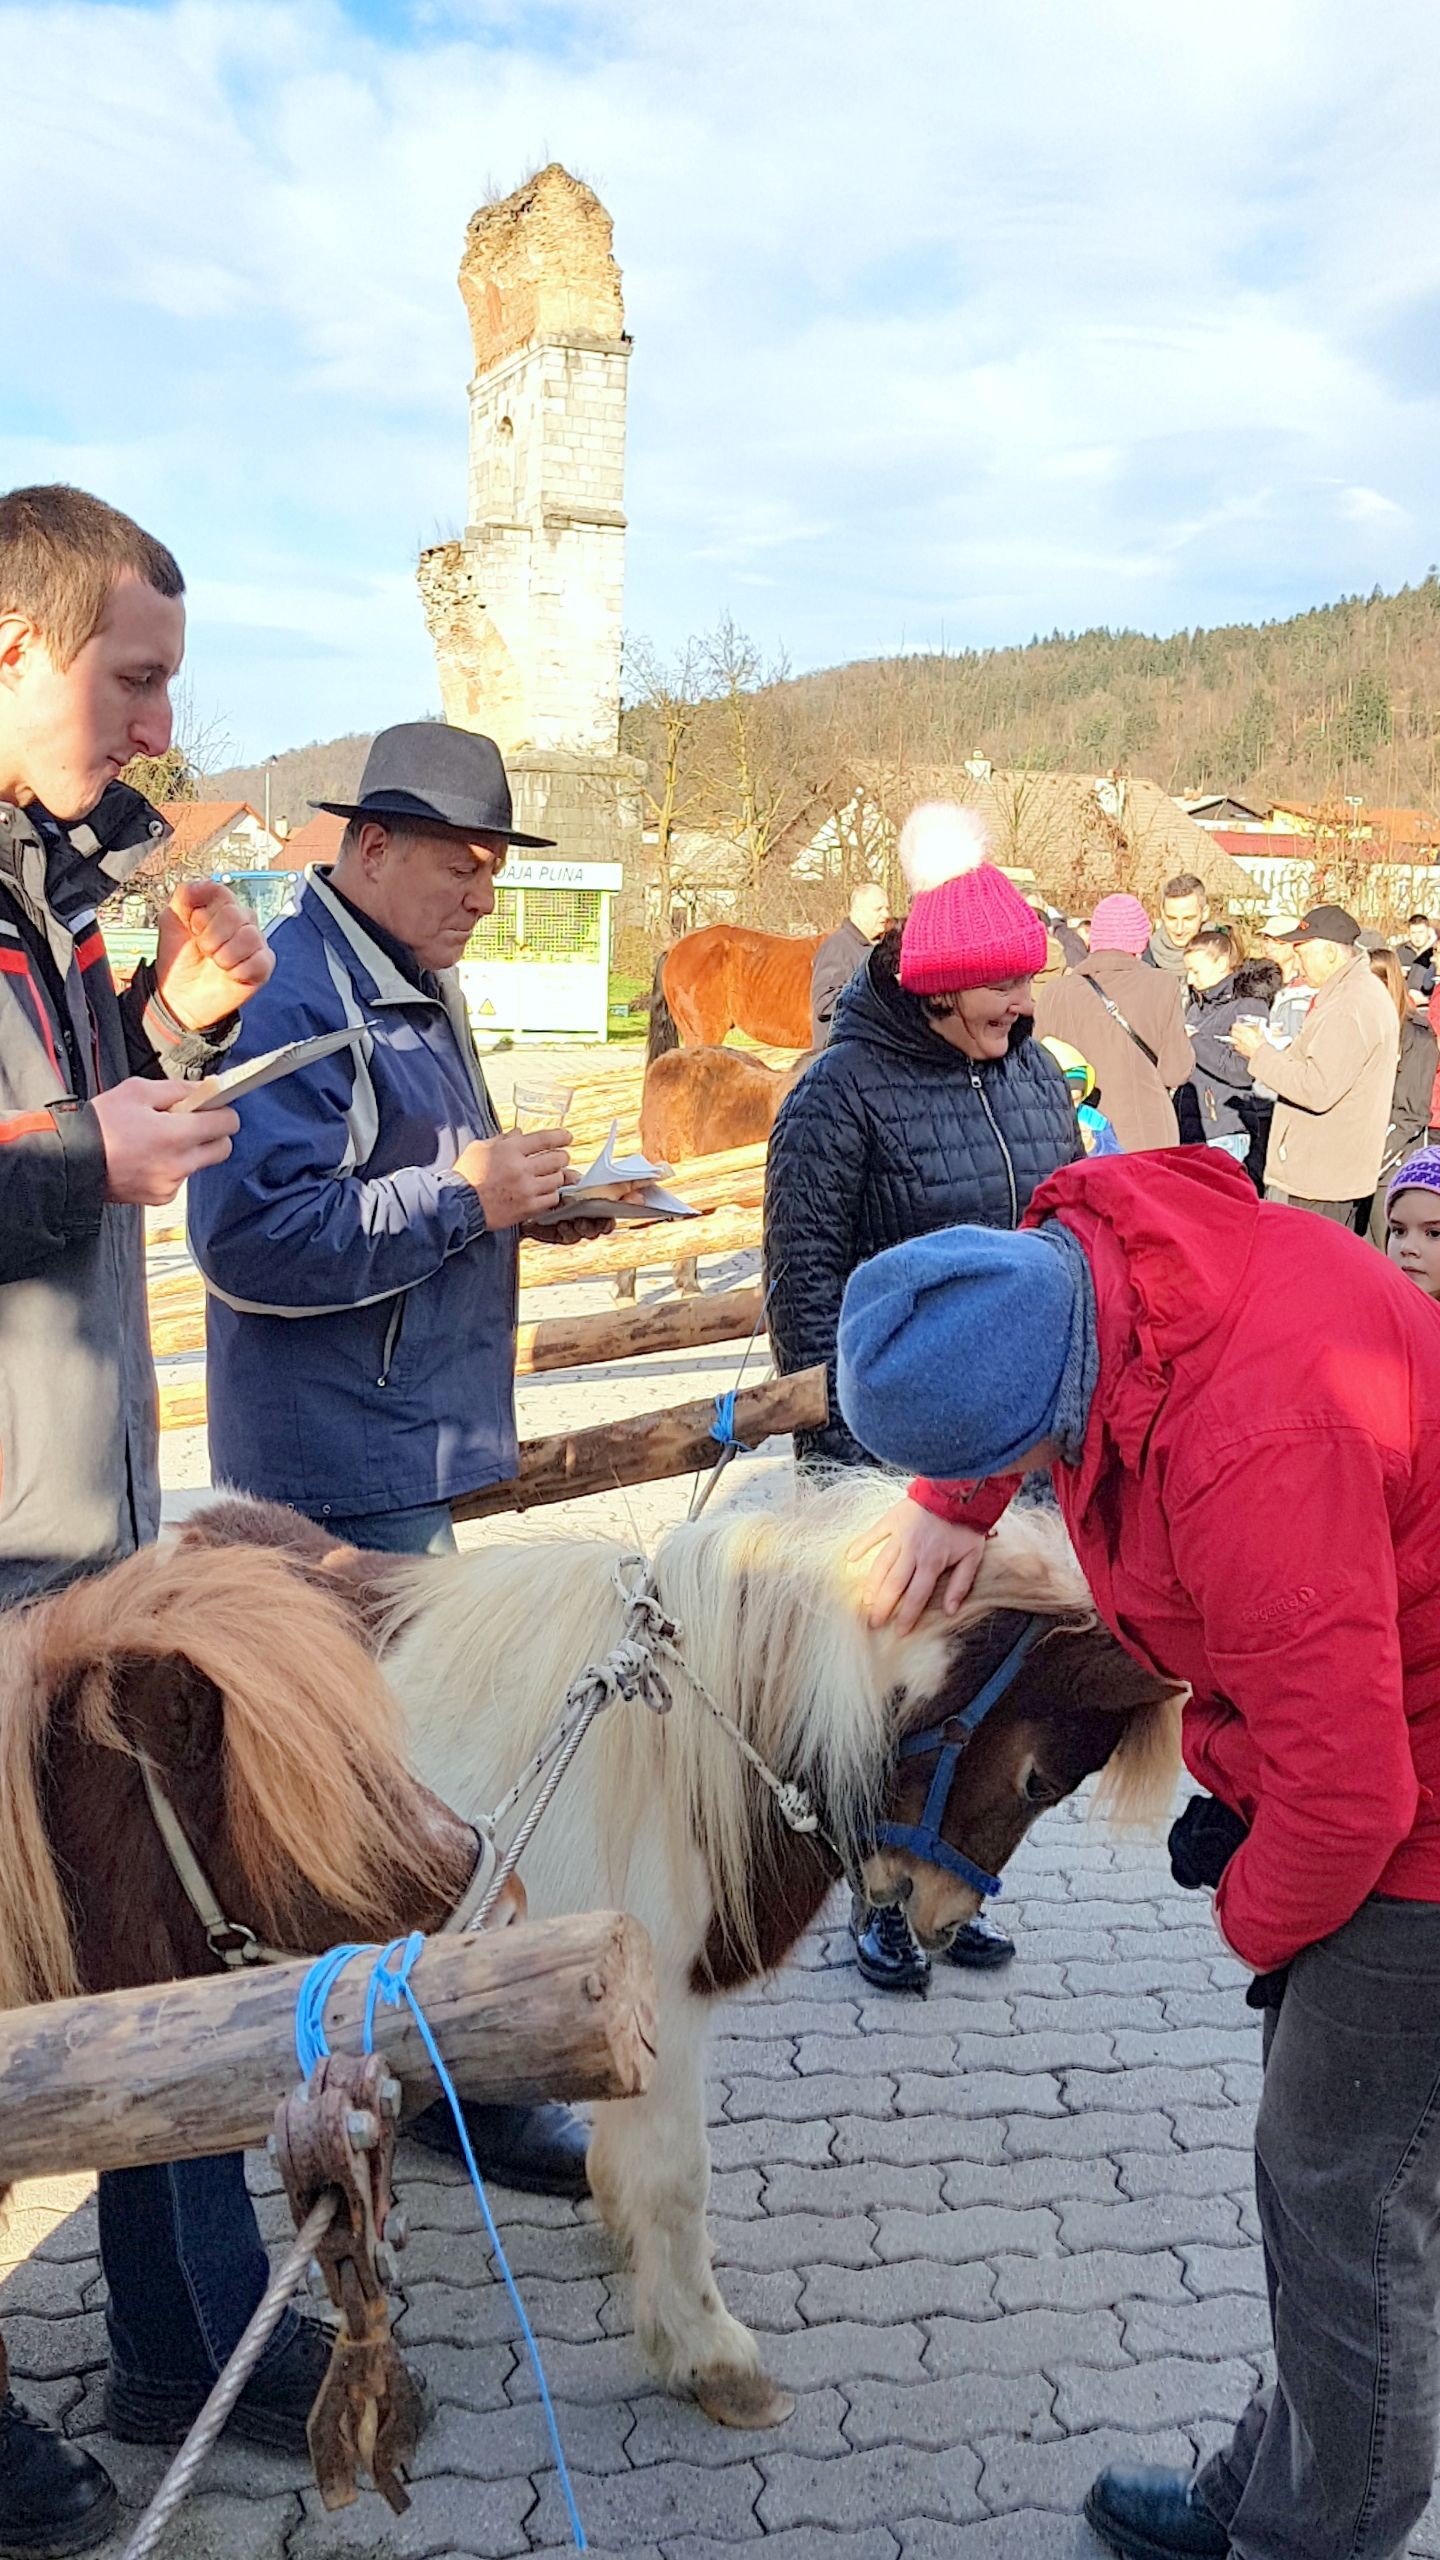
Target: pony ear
171,1712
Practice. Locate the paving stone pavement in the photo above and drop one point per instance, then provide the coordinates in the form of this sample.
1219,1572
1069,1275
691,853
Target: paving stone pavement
992,2239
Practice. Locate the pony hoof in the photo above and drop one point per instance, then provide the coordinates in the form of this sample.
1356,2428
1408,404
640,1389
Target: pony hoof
744,2400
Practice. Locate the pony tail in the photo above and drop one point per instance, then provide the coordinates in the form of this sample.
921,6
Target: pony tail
37,1955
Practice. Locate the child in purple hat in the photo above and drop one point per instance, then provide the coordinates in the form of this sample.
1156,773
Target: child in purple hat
1412,1220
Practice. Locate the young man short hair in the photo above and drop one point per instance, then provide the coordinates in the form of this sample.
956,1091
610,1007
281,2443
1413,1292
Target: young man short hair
92,630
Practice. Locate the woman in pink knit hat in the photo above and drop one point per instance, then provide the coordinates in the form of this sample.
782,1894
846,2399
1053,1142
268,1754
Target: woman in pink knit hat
1128,1019
931,1107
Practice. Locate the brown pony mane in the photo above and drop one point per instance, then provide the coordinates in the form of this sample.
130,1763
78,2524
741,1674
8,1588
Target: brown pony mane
315,1784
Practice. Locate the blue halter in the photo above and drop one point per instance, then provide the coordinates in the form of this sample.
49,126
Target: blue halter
949,1739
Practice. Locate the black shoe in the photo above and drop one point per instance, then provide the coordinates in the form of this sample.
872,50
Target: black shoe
54,2496
272,2409
886,1952
980,1946
1154,2515
541,2149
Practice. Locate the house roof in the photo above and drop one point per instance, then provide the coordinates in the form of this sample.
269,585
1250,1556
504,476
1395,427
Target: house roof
317,841
1263,848
1035,820
195,826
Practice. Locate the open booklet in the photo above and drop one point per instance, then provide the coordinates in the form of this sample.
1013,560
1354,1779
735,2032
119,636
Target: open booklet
616,1186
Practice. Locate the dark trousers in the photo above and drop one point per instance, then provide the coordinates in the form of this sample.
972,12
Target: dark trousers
1342,1211
1336,2459
185,2265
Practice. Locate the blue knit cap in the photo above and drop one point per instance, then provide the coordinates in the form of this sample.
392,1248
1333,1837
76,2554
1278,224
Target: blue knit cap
954,1349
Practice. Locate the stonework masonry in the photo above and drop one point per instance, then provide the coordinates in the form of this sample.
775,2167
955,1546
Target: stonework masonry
526,610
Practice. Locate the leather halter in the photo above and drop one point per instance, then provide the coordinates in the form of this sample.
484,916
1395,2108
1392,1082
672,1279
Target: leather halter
923,1838
238,1947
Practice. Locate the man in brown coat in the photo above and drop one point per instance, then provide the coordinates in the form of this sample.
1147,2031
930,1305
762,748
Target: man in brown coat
1336,1078
1128,1020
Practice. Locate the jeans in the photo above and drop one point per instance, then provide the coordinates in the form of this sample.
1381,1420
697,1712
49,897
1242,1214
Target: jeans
428,1530
185,2265
1336,2459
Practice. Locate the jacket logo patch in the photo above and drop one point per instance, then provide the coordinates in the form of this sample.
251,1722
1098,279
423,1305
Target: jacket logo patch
1286,1604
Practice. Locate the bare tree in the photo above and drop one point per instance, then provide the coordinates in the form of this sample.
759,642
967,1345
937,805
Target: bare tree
663,696
196,747
754,774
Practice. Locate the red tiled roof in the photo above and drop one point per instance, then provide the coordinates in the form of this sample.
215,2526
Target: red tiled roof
197,823
1265,848
317,841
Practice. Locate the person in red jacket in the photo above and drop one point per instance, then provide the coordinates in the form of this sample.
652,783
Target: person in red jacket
1241,1407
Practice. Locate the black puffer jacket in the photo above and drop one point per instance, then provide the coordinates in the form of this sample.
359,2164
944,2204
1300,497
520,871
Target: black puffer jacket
891,1134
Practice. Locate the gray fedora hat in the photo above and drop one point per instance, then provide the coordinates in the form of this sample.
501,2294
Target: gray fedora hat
442,777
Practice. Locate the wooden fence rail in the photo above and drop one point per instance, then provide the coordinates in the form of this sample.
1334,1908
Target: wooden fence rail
646,1448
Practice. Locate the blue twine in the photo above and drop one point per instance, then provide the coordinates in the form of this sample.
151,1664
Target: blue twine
723,1426
390,1982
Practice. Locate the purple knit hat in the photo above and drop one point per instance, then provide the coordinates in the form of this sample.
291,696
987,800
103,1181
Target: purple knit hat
968,925
1422,1173
1120,924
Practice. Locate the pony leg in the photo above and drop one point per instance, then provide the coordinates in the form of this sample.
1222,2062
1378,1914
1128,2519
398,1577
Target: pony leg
650,2175
687,1278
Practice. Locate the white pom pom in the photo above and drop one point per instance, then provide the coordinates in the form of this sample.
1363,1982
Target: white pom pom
938,841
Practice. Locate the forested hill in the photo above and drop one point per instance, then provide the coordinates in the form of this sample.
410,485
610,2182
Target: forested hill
1344,700
1341,700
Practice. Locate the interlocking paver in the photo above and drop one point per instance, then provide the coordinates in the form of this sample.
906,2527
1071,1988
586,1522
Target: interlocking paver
933,2414
1023,2342
1225,2324
906,2292
861,2187
964,2232
1163,2391
865,2488
1016,2474
944,2137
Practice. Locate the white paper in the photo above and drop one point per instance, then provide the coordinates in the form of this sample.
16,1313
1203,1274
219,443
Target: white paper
654,1202
230,1083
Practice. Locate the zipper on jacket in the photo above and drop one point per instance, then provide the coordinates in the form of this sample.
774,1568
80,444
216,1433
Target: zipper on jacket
978,1083
392,1336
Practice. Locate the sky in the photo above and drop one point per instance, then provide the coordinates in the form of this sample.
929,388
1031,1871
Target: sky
954,320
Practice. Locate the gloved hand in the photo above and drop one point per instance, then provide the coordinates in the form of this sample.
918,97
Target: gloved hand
1203,1842
1267,1990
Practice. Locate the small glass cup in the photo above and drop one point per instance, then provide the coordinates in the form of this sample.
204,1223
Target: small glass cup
543,1104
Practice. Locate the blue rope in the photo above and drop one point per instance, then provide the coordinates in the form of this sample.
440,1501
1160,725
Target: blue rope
723,1426
390,1982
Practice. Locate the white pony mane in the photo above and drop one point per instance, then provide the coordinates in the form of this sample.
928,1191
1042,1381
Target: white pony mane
771,1625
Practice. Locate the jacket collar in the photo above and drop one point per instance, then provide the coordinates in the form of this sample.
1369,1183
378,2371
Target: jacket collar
60,874
388,985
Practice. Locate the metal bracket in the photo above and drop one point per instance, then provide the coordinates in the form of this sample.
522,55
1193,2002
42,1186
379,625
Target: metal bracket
337,2134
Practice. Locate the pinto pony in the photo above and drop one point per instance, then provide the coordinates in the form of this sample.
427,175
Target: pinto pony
666,1819
727,978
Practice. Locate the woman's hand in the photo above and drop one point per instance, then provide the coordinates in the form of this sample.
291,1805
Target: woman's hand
914,1553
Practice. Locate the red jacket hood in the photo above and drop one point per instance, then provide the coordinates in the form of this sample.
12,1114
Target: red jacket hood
1167,1233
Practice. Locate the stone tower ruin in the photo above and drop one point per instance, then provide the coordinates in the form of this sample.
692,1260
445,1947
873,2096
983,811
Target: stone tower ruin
526,610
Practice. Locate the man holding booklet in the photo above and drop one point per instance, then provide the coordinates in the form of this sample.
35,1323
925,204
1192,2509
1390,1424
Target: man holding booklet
359,1245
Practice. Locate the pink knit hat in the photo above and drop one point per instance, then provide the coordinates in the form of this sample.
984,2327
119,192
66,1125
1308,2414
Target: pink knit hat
968,926
1120,924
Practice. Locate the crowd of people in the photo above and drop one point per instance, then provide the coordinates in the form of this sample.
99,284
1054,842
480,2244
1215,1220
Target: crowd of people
983,1216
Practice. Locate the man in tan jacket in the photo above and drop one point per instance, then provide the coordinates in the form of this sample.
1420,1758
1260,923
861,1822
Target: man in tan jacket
1335,1080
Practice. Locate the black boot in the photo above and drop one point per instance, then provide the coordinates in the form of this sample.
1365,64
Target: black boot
54,2497
272,2409
540,2149
1154,2515
980,1946
886,1952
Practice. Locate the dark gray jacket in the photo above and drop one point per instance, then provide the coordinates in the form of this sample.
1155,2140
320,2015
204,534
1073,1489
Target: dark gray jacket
79,1479
890,1134
839,956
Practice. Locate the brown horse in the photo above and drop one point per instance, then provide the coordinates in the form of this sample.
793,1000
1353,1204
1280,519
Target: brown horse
249,1690
726,978
698,1102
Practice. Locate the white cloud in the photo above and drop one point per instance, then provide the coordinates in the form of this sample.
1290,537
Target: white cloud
946,316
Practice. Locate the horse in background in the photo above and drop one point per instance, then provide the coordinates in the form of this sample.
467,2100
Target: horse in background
667,1820
699,1102
728,978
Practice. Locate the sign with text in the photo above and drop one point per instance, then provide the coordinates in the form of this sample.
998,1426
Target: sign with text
524,871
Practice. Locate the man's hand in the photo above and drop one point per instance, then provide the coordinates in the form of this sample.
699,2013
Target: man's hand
1246,1036
914,1552
150,1147
212,954
570,1231
518,1176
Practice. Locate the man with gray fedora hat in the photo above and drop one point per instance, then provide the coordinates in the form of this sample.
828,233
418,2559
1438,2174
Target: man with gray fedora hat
360,1255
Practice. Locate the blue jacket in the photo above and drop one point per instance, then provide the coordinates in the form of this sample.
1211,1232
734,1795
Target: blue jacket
360,1319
